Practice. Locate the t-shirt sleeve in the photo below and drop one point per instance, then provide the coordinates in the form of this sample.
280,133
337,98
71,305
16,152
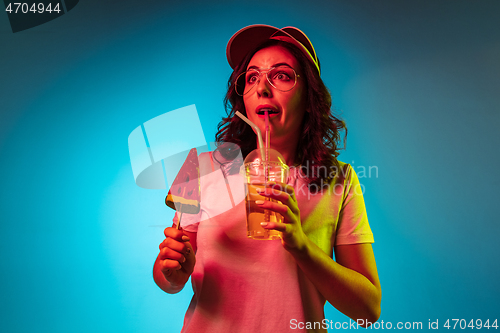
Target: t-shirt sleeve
353,227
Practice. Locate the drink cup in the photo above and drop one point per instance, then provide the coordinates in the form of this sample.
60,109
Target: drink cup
256,171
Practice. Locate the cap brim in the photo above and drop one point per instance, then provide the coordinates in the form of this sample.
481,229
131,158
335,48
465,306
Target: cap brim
303,39
250,37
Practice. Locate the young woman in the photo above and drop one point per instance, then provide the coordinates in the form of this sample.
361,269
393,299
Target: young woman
246,285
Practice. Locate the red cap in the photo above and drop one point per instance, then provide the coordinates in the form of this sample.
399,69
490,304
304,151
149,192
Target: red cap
248,38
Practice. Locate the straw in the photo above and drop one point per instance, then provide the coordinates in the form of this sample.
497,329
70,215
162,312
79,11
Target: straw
256,129
267,213
268,139
263,153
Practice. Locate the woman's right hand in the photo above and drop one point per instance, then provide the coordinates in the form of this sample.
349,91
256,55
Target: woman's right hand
177,257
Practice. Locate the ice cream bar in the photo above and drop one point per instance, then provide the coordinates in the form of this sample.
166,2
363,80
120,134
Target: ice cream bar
184,194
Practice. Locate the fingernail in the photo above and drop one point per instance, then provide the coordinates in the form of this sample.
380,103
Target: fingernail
259,202
185,238
264,224
260,190
183,259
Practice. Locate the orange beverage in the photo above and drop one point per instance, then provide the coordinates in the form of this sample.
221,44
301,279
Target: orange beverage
256,214
257,171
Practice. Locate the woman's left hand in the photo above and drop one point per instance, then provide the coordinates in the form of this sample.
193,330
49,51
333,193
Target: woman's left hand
293,238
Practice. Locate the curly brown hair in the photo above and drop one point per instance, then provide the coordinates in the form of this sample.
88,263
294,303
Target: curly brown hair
319,147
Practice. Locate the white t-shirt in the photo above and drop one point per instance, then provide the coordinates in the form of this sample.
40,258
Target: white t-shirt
246,285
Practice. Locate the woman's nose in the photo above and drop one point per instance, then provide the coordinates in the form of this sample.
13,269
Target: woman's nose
263,86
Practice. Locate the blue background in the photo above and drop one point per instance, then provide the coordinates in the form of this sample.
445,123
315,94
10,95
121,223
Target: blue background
418,83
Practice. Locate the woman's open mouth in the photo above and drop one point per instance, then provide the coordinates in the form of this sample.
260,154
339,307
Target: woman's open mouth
262,112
